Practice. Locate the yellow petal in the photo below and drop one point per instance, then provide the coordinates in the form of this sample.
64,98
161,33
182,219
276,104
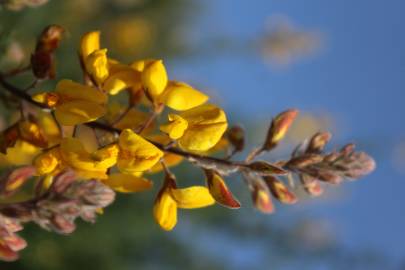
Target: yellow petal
81,174
97,65
133,119
192,197
170,160
204,115
122,80
128,183
141,64
105,157
75,155
78,112
154,78
48,162
202,139
70,90
176,126
89,43
49,126
206,125
136,153
115,66
180,96
165,211
22,153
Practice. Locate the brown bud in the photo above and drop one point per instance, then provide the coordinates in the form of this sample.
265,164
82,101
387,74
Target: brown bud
279,128
9,137
236,136
311,185
31,132
280,191
265,168
304,161
262,199
15,180
260,193
7,254
220,191
62,225
347,149
43,65
325,175
42,61
318,142
63,181
97,193
50,38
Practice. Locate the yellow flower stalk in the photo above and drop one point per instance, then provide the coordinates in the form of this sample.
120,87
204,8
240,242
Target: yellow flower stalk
136,154
205,126
74,103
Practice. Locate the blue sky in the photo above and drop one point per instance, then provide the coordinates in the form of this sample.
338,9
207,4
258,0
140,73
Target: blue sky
358,77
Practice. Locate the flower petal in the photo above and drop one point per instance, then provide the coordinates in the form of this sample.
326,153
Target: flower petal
176,126
97,65
192,197
136,153
165,211
72,90
154,78
128,183
180,96
122,80
78,112
89,43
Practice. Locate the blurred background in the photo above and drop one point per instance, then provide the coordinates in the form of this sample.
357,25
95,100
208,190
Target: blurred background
341,63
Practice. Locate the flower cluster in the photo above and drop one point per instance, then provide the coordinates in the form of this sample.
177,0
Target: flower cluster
77,146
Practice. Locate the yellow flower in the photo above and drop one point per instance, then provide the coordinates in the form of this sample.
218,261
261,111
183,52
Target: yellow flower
74,103
136,154
49,162
128,183
205,126
97,65
180,96
88,165
22,153
170,198
71,153
90,42
176,127
165,211
122,79
169,159
154,78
